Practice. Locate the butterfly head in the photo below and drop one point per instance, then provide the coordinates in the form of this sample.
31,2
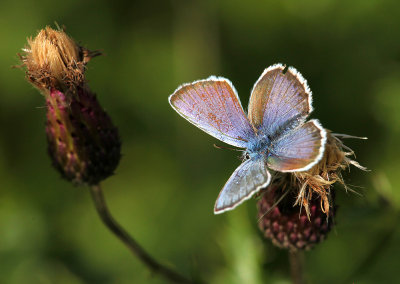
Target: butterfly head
258,147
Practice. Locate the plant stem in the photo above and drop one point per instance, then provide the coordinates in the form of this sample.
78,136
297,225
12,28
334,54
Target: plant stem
296,267
136,249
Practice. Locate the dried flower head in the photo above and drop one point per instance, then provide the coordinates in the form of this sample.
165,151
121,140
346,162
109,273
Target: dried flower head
54,60
292,208
82,141
320,178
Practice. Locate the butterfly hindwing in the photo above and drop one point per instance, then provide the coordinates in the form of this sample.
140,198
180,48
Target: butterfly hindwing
279,100
274,130
298,149
214,106
246,180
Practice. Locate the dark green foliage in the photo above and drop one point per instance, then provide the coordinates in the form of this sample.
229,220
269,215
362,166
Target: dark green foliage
164,190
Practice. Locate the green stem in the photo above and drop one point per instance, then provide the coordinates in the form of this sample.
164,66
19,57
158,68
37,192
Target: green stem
296,267
135,248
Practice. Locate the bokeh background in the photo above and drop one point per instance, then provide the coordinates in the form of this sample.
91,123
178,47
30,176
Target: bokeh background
165,187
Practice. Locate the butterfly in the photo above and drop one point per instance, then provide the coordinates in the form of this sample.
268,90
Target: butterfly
274,133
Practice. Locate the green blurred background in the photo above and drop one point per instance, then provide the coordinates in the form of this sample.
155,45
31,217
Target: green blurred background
170,174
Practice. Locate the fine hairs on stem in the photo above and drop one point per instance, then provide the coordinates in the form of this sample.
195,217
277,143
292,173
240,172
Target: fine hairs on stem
135,248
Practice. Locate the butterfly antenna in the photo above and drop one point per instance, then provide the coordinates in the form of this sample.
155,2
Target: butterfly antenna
345,136
273,206
228,148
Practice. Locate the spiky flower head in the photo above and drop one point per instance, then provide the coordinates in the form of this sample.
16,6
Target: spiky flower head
82,141
290,227
297,210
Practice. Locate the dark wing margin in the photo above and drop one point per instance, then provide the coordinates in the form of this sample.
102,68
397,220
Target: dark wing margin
214,106
246,180
279,100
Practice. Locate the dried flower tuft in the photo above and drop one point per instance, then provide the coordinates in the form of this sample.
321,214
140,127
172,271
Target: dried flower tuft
320,178
54,60
282,218
82,141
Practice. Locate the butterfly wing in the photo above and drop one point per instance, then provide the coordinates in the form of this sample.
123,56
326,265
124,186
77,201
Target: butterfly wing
298,149
279,104
214,106
246,180
279,101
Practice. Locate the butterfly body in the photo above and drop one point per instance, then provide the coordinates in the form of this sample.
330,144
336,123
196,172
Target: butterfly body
274,134
257,147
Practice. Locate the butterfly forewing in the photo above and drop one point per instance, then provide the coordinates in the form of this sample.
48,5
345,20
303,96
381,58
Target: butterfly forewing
279,100
275,131
247,179
213,106
299,149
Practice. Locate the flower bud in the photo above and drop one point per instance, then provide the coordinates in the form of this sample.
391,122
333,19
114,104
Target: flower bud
305,214
82,141
289,226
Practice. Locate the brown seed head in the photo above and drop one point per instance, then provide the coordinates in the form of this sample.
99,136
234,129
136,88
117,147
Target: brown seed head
280,210
319,179
82,140
54,60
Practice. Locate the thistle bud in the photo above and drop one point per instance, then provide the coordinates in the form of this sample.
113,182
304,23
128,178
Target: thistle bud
288,226
306,212
82,141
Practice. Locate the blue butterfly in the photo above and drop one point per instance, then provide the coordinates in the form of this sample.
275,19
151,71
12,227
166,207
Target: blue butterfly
274,134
